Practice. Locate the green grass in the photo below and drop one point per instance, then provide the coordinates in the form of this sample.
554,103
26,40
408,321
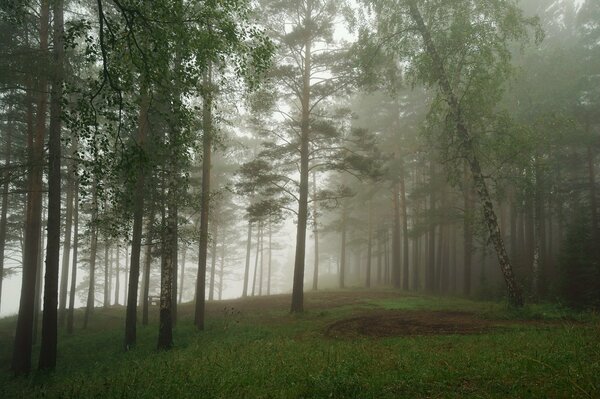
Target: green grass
259,350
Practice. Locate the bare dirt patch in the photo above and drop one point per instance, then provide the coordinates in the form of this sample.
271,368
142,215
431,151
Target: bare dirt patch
412,323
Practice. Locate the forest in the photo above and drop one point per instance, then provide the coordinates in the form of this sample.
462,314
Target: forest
299,198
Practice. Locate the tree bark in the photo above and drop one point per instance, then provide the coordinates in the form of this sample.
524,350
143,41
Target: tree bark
343,249
258,235
315,233
21,359
71,311
514,291
106,273
182,274
3,217
405,249
396,265
91,297
47,360
298,284
369,247
207,119
138,216
117,272
270,259
247,268
64,276
430,270
147,265
213,265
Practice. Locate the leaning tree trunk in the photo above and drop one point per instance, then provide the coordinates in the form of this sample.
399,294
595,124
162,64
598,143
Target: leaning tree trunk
138,216
464,136
21,359
47,359
207,142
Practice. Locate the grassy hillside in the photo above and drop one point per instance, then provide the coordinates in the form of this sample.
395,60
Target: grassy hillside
349,344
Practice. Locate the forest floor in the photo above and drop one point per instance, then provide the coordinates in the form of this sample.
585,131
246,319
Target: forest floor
348,344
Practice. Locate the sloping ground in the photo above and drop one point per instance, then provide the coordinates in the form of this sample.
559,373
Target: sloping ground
413,322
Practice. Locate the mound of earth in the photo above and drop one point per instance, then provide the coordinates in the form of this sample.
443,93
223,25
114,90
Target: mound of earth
407,323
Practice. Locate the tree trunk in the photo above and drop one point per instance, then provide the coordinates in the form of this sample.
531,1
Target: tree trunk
106,273
247,268
222,271
21,359
343,249
70,314
64,276
593,197
39,280
91,297
126,284
261,279
182,274
468,233
138,216
117,272
396,256
369,248
207,118
315,233
298,285
165,329
3,217
258,235
270,259
147,265
379,259
213,265
404,207
47,359
514,291
430,270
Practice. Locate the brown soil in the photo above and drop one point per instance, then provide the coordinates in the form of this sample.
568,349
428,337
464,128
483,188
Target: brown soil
411,323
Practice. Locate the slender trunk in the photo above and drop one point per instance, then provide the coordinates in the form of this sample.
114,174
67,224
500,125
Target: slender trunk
213,265
117,272
165,329
222,270
593,197
315,232
106,273
379,259
39,281
404,209
3,217
396,265
298,284
343,249
21,359
468,233
369,247
261,279
70,314
147,265
464,135
174,240
91,296
430,270
126,284
270,259
47,359
247,268
182,274
138,216
64,276
207,118
256,259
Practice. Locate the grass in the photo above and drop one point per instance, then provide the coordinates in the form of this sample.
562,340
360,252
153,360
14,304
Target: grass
256,349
